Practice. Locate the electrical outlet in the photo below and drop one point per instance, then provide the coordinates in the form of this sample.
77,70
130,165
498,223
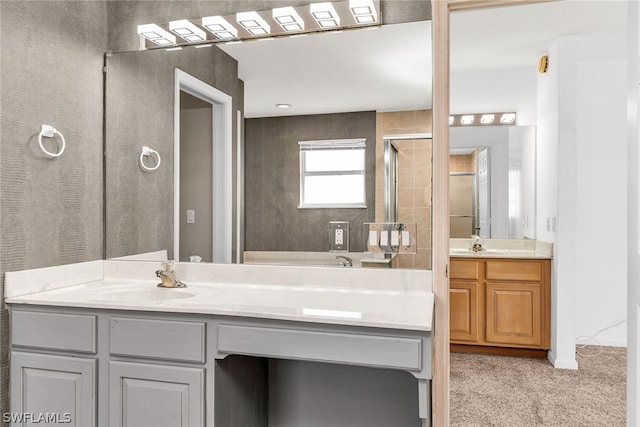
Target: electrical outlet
191,216
339,236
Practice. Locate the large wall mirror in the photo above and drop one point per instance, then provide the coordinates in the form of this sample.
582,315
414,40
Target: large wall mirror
492,182
355,84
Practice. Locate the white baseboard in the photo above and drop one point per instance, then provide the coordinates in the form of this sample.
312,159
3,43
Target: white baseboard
562,363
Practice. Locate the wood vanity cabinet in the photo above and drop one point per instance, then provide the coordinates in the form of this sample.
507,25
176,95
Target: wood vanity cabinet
500,305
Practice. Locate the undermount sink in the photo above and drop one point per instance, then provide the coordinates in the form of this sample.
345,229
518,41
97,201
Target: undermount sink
137,294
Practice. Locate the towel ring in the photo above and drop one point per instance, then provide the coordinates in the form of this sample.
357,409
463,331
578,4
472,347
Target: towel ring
50,132
146,151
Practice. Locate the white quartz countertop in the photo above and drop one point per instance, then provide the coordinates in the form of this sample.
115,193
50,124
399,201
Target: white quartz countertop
502,248
357,300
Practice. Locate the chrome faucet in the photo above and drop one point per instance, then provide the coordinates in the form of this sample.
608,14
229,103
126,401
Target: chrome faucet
168,276
476,245
346,261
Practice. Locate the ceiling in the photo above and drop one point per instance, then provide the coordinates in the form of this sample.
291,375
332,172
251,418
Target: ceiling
389,68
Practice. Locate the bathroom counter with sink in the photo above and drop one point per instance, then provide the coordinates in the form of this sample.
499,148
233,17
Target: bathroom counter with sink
502,248
108,345
358,297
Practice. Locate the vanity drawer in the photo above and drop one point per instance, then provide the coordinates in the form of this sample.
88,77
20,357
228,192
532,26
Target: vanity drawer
518,270
157,339
370,350
55,331
464,269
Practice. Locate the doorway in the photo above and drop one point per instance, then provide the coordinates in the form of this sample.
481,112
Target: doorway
208,144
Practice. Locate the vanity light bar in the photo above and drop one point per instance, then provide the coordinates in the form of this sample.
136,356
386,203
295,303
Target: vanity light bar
253,23
482,119
187,31
288,18
279,21
155,34
220,27
325,14
363,11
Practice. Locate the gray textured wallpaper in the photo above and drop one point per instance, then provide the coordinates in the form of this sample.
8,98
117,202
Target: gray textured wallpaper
51,73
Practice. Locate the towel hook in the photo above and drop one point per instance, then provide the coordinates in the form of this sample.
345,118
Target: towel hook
50,132
146,151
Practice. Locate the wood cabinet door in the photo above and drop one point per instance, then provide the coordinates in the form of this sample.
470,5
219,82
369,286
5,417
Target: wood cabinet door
463,314
142,394
514,313
61,389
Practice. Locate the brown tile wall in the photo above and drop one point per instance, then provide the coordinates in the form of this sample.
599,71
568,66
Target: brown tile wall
462,163
414,178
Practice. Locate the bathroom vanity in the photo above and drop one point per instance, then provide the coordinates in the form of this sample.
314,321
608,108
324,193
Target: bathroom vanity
100,344
500,297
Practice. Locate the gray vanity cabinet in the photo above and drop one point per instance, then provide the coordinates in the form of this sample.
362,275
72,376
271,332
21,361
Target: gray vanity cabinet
122,368
53,368
155,395
167,386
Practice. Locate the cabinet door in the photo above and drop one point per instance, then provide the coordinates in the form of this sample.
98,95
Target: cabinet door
61,389
514,313
463,316
155,395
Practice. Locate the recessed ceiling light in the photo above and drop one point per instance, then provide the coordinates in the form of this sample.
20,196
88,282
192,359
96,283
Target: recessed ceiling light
156,34
283,106
220,27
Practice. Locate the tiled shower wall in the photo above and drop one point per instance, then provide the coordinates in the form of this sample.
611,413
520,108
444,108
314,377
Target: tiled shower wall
414,178
51,73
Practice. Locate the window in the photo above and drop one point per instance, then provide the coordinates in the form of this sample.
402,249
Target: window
332,174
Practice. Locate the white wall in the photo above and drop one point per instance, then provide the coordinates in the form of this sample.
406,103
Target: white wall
581,111
506,90
602,201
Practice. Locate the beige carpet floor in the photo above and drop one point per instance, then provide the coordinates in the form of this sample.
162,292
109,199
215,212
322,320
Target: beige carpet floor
508,391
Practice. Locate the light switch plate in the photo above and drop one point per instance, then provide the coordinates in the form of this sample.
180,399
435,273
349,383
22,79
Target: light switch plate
395,237
338,236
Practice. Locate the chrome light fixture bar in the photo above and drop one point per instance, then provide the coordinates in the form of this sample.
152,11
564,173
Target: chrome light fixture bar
188,31
220,27
281,21
482,119
156,34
